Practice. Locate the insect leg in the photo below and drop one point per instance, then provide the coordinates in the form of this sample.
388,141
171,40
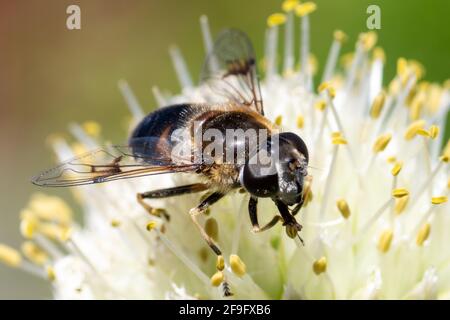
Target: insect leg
195,212
292,226
297,207
165,193
201,208
252,210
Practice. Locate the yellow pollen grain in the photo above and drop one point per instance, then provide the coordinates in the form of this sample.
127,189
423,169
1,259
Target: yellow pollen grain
434,131
397,168
377,105
217,278
278,120
92,128
115,223
300,121
10,256
385,240
212,228
368,40
439,200
338,140
423,234
400,204
289,5
391,159
320,265
276,19
378,54
150,226
413,128
50,273
382,142
220,263
305,8
343,208
320,105
400,192
34,253
340,36
237,265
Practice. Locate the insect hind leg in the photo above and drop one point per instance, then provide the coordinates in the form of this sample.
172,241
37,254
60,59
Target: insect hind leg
166,193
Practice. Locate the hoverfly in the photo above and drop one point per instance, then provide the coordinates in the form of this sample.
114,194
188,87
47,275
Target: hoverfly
229,71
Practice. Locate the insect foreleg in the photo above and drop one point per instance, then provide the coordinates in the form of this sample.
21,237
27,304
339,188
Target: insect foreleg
252,210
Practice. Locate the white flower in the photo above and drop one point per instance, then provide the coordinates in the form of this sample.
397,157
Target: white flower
376,222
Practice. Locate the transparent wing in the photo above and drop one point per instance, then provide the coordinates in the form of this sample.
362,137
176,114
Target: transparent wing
142,157
230,70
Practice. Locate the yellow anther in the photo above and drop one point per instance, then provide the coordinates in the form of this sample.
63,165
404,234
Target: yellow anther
368,40
289,5
300,121
423,132
394,86
150,226
320,265
377,105
276,19
400,204
434,131
417,104
9,256
115,223
237,266
92,128
212,228
340,36
51,208
323,86
417,68
305,8
444,158
50,273
400,192
28,226
78,148
384,243
439,200
402,66
343,208
65,234
347,59
382,142
391,159
320,105
378,54
423,234
217,278
313,63
397,168
413,128
220,263
278,120
338,140
34,253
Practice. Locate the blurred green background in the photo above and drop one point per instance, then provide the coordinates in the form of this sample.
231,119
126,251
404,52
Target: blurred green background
50,76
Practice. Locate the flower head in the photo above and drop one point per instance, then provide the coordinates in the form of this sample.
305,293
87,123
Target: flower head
375,216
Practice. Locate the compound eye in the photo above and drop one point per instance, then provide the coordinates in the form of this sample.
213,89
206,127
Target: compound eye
257,183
